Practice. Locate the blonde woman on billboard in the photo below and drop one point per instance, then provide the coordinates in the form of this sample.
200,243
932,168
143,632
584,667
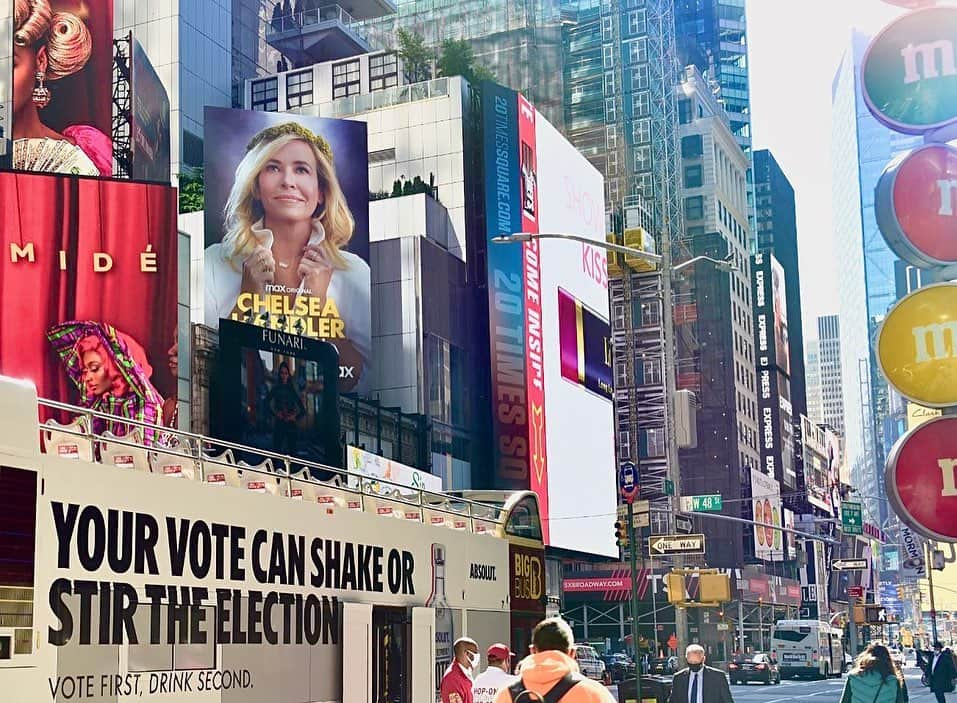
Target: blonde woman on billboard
48,46
287,224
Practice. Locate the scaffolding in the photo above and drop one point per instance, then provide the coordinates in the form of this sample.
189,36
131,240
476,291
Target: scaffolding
643,164
122,97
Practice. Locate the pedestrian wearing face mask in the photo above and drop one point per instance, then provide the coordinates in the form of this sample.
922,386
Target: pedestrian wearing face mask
456,684
699,683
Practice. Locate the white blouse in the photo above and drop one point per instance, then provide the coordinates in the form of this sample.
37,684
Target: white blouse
350,288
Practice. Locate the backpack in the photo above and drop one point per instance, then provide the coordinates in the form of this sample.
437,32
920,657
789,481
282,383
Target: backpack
520,694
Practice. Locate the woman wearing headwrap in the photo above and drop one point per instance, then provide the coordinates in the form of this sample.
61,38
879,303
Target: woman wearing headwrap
112,373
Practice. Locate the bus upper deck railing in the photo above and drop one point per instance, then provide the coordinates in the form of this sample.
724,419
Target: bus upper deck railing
173,453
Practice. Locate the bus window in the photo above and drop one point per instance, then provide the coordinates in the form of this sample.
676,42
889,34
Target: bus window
523,520
792,635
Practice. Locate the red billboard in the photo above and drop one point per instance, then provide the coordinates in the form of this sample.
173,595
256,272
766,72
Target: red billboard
62,86
88,280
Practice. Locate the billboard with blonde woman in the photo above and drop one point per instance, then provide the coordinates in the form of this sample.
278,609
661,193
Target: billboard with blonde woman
287,230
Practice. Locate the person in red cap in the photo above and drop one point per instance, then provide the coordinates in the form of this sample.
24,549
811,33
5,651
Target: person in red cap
496,677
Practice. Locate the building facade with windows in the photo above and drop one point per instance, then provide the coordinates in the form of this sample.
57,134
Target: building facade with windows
830,379
776,231
715,331
713,35
872,277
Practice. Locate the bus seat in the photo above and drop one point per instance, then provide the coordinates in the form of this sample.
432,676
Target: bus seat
260,483
66,441
113,453
222,475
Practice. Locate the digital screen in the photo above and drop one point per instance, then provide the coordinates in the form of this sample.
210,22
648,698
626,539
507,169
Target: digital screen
585,340
88,280
62,87
277,392
150,128
287,230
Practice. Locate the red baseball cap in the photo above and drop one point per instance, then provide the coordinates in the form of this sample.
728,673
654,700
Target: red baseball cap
499,651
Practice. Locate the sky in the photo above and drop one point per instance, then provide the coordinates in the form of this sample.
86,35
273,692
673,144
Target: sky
795,47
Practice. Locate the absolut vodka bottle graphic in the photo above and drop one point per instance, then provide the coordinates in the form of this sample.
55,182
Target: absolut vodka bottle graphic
443,614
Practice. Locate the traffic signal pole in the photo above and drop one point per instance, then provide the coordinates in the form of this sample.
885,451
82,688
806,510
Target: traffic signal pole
930,589
634,546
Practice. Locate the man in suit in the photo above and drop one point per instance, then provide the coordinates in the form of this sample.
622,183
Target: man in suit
699,683
940,671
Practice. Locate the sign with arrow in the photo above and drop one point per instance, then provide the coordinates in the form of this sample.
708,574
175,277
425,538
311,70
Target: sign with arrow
850,565
683,525
676,544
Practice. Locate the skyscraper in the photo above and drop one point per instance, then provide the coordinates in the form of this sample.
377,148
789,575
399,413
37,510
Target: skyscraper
713,35
871,280
829,365
776,226
812,378
714,328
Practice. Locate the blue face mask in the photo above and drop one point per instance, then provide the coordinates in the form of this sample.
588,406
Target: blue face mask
696,667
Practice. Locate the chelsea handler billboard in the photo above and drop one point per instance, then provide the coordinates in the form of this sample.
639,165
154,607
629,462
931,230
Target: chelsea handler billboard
287,230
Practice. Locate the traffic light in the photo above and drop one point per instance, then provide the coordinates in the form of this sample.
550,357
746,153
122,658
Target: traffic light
675,583
621,534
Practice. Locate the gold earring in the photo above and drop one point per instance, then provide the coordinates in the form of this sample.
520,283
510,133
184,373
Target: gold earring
41,94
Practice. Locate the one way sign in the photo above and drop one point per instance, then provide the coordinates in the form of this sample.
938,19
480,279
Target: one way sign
849,565
683,524
676,544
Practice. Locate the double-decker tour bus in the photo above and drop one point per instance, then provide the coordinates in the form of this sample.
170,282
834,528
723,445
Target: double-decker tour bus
808,647
165,570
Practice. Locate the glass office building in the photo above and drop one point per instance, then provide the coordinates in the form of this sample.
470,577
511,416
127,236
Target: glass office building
871,277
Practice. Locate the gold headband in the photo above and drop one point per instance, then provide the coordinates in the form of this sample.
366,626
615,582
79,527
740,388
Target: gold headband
294,128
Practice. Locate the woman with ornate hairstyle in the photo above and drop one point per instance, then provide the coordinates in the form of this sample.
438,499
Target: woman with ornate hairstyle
112,373
287,224
48,46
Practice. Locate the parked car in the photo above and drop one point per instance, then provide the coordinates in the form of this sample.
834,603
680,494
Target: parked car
755,667
620,666
663,666
589,662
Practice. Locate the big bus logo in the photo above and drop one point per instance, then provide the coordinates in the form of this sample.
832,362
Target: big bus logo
528,579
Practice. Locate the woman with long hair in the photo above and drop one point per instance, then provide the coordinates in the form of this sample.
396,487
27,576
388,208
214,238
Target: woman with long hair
875,678
48,46
112,373
287,225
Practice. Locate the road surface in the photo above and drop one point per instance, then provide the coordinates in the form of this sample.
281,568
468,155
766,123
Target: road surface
802,691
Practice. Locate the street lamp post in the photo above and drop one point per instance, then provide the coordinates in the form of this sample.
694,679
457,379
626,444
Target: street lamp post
668,269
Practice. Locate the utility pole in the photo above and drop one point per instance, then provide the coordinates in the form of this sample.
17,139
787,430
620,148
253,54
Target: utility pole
852,625
633,548
670,381
930,589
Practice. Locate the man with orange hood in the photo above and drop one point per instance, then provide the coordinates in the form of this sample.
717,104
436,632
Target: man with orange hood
551,671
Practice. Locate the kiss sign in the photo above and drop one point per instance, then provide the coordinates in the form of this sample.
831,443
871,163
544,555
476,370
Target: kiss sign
921,479
916,205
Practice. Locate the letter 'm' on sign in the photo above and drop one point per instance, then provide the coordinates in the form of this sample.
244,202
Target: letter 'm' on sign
948,470
938,333
947,188
928,54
